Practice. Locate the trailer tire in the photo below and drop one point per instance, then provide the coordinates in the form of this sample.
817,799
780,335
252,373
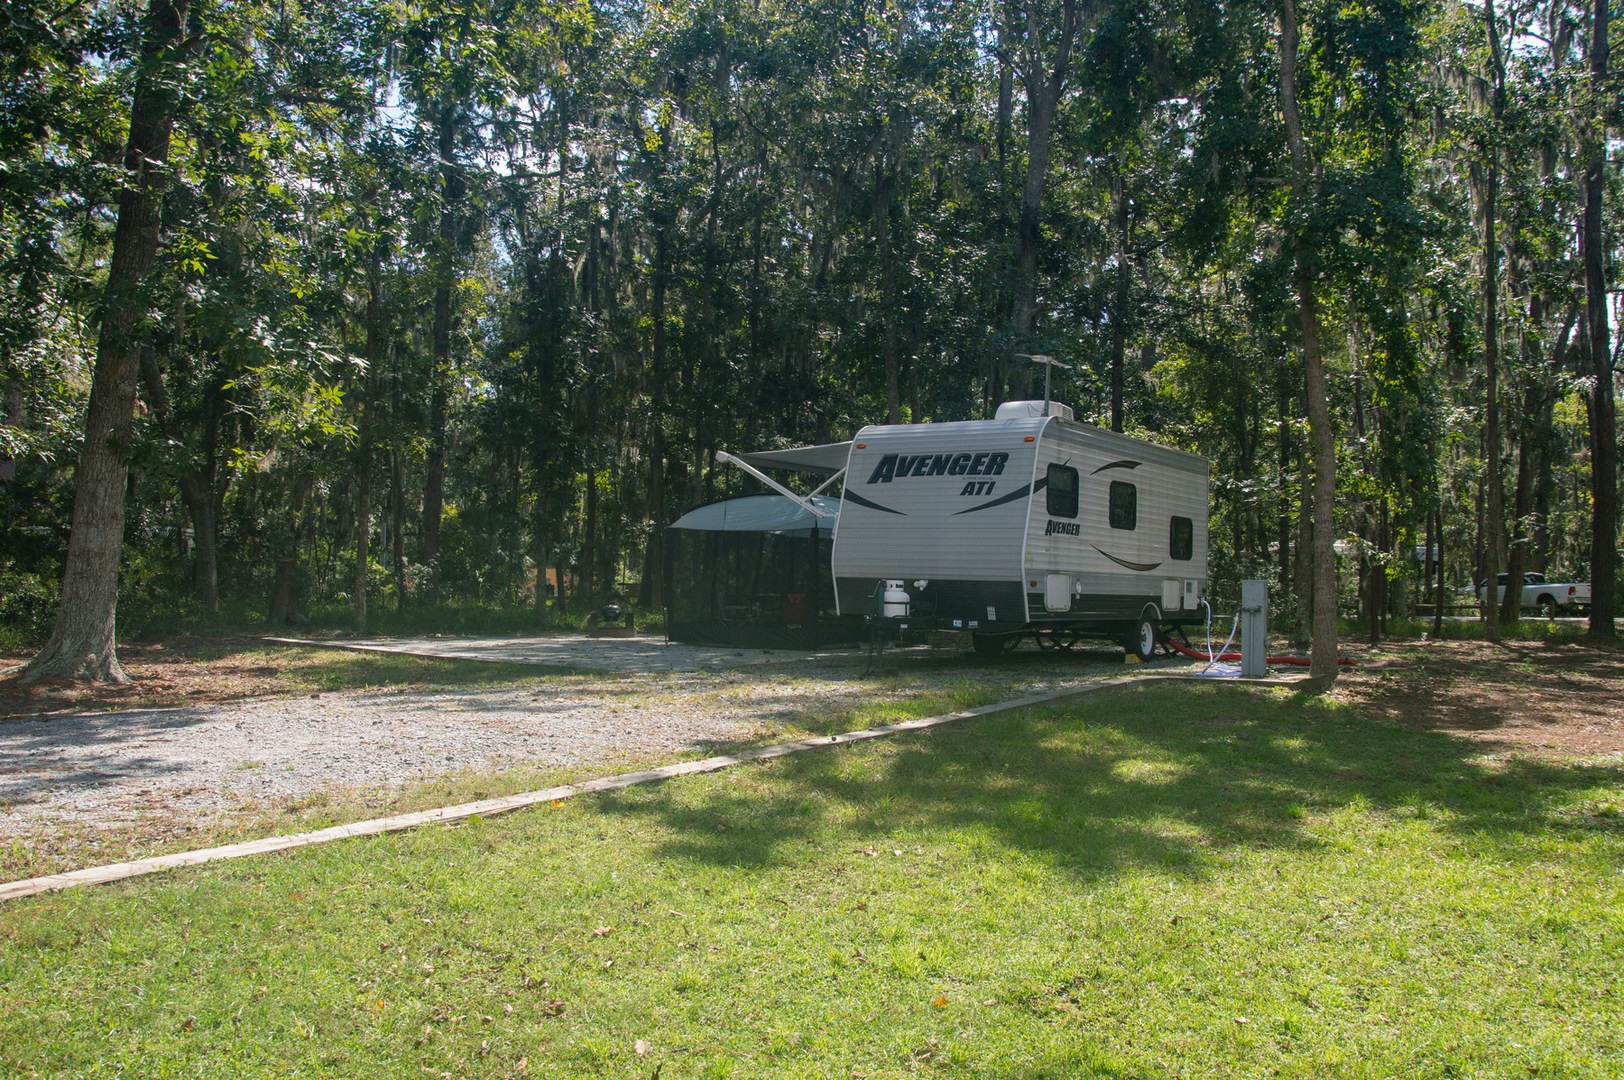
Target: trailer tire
1143,639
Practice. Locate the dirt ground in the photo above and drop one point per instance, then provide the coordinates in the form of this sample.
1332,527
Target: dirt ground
1561,699
1540,699
187,671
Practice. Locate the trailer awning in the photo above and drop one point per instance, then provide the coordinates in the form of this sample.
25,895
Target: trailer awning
825,459
760,513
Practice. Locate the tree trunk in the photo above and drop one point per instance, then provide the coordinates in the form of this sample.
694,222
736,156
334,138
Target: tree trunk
1045,85
1322,440
1006,100
1495,493
652,594
1119,313
197,492
589,536
1303,565
539,548
1522,505
397,524
282,591
197,489
1322,649
364,439
1282,488
888,286
1440,595
445,281
1383,598
1603,423
82,643
1494,486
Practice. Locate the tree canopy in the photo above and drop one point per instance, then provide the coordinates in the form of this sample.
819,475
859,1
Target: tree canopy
345,309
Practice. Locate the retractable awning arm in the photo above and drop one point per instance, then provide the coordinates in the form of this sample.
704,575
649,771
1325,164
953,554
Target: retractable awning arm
803,501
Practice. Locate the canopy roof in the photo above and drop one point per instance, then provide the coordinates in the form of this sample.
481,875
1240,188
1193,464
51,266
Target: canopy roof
825,459
761,513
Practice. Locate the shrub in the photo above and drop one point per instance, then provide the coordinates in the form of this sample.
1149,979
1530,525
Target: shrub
27,608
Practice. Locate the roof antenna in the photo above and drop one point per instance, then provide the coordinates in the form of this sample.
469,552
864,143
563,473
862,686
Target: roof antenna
1049,364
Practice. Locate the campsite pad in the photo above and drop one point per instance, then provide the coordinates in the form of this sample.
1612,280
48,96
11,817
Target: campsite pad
151,771
650,654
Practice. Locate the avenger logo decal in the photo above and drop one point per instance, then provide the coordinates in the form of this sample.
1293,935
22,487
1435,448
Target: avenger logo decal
902,466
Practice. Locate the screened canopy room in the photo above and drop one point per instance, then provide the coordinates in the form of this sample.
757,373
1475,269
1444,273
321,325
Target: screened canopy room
754,572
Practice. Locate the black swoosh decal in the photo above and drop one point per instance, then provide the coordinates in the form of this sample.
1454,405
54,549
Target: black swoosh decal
1019,493
1124,464
852,496
1142,567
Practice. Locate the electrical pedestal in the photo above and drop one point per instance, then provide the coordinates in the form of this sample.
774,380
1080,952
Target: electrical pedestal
1254,629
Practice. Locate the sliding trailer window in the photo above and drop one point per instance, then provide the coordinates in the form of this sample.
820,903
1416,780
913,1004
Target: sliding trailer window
1124,505
1062,491
1181,539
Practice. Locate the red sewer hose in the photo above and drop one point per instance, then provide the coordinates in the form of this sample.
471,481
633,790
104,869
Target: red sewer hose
1234,657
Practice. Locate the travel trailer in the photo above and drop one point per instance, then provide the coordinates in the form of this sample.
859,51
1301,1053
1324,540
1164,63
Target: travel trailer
1028,523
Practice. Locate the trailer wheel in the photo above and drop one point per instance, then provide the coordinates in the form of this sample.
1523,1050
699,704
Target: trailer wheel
1142,642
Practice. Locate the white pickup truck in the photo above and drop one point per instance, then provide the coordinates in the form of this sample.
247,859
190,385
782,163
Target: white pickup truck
1549,598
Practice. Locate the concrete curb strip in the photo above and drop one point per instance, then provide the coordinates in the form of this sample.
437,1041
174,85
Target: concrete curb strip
101,875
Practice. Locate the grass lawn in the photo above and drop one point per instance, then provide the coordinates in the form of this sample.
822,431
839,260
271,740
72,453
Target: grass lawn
1172,880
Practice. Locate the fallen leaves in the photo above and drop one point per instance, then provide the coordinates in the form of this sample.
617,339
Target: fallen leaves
603,931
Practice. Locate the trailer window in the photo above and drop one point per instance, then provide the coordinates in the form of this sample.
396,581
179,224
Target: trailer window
1062,489
1124,505
1182,539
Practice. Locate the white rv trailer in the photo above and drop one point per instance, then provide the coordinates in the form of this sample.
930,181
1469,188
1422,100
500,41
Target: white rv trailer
1028,522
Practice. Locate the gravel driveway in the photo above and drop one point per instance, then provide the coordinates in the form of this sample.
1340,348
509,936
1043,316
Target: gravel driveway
116,768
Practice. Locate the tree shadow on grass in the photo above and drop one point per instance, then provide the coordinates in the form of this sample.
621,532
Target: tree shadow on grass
1167,776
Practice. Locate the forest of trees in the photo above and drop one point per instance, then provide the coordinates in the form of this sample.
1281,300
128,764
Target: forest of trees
354,309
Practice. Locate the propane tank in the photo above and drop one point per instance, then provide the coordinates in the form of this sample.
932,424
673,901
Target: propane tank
895,601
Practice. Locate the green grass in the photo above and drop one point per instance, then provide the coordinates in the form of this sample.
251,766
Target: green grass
1190,880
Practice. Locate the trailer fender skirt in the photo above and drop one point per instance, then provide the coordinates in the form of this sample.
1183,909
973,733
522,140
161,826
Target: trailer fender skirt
1234,657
